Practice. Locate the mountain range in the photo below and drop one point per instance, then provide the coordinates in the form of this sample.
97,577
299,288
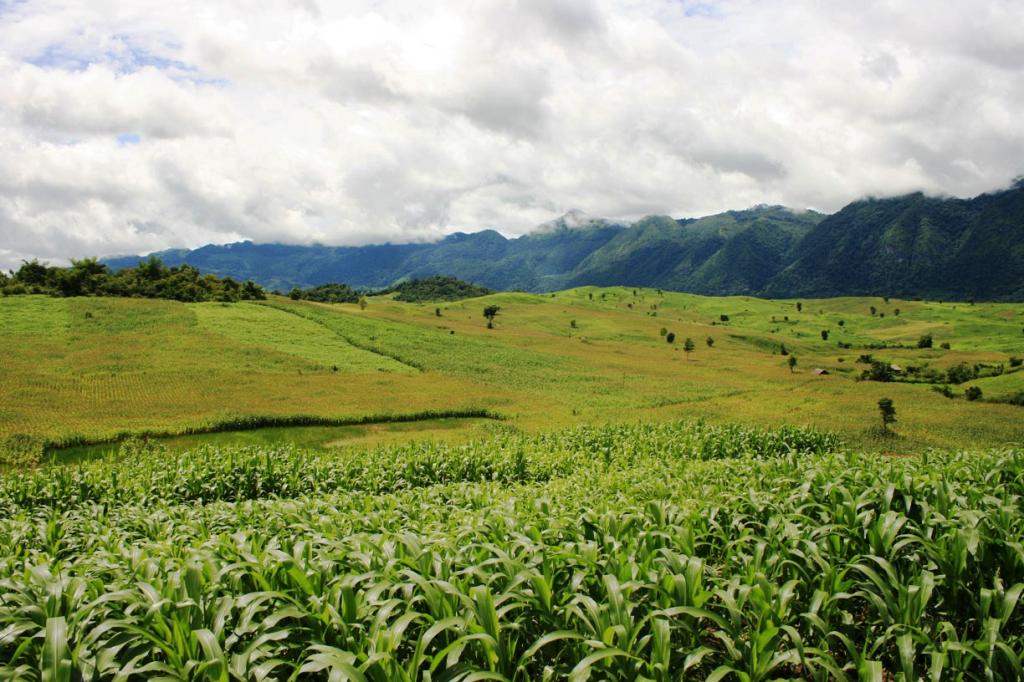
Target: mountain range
907,246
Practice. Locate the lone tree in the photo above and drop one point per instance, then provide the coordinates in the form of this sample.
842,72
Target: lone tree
782,349
688,345
670,337
710,341
799,306
791,362
824,335
888,412
490,312
925,341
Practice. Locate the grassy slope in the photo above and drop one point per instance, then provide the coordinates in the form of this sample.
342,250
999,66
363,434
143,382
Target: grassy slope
156,365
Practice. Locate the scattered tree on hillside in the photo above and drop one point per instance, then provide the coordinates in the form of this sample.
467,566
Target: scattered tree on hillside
972,393
664,331
710,341
925,341
799,306
873,310
670,337
824,335
782,349
437,312
490,312
362,303
841,323
792,363
888,412
688,345
879,371
723,318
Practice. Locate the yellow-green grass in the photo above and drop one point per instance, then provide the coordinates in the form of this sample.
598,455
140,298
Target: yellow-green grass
88,369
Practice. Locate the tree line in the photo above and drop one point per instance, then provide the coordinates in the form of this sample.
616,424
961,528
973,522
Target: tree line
149,279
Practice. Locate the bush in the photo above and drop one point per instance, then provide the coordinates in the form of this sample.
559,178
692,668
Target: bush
958,374
1015,361
670,337
879,371
973,393
925,341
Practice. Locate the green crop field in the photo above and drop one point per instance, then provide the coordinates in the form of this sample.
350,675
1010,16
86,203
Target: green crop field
655,552
288,490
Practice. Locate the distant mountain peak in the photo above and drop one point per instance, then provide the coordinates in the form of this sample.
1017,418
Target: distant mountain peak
570,220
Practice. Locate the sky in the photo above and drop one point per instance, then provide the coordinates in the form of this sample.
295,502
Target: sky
132,126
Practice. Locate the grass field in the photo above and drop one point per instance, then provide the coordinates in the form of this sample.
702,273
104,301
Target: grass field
86,370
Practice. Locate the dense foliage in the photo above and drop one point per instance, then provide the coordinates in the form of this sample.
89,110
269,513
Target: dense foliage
620,553
332,292
149,279
437,288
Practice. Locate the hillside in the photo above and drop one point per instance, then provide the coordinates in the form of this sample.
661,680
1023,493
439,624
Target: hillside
909,246
81,370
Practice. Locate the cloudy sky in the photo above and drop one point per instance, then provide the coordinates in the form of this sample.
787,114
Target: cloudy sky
128,126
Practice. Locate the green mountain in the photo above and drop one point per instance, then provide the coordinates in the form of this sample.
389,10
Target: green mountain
913,245
907,246
736,252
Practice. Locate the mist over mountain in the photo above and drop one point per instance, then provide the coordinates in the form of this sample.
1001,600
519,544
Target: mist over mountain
911,245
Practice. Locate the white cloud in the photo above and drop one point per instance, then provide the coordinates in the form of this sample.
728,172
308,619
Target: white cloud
129,127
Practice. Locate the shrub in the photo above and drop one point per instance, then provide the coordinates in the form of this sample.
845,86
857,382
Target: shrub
670,337
879,371
723,318
973,393
1015,361
958,374
888,412
925,341
824,335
